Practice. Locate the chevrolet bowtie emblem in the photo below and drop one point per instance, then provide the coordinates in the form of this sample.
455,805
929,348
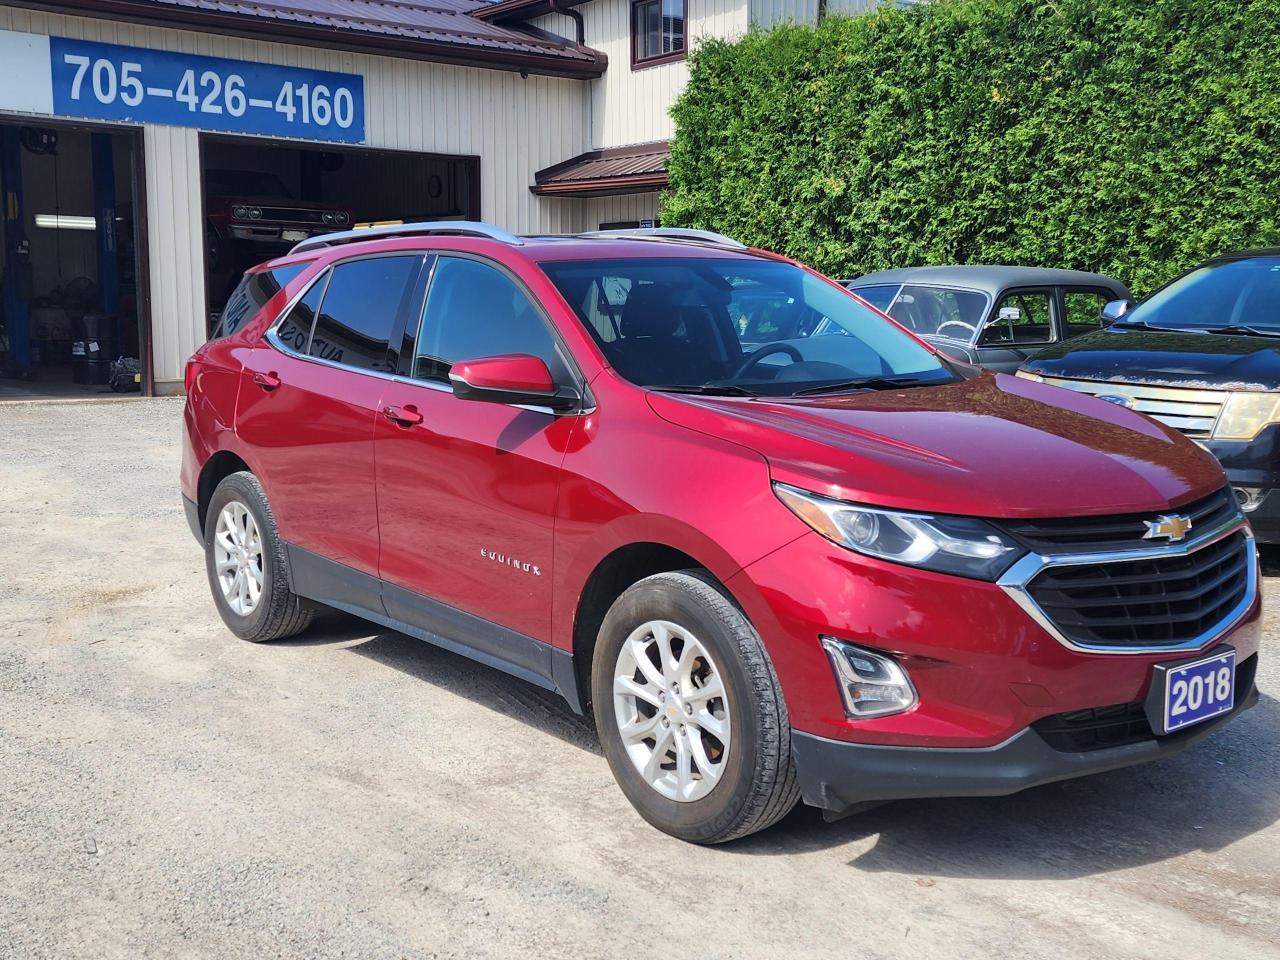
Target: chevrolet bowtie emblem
1170,526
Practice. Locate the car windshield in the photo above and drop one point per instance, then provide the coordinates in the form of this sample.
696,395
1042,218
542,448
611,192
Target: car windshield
930,310
1232,294
739,325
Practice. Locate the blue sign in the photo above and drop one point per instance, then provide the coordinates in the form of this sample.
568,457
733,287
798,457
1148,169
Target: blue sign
106,81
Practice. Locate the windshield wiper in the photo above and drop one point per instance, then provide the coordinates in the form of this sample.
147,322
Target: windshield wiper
705,389
1242,329
1143,325
865,383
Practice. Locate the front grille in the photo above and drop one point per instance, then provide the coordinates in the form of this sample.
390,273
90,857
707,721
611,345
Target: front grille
1123,723
1153,602
1118,532
1188,410
292,215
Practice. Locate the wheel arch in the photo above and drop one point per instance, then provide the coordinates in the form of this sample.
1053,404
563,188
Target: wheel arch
624,566
216,469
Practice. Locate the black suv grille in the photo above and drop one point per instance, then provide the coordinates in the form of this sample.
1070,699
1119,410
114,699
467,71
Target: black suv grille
1121,532
1163,601
1100,727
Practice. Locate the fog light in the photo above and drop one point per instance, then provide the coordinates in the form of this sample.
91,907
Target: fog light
872,684
1249,498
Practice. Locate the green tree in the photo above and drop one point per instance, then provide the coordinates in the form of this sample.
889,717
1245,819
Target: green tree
1133,137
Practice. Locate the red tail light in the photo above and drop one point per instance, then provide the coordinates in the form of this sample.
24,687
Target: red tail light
189,378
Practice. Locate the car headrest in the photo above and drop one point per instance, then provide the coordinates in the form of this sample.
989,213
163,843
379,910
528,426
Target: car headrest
650,312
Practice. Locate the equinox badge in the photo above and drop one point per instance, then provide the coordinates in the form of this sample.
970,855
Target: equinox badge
1170,526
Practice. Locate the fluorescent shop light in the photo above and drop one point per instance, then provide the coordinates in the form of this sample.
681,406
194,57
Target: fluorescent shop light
56,222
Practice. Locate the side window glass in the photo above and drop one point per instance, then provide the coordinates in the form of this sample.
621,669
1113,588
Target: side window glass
360,309
879,295
474,310
251,295
1021,317
1083,308
294,330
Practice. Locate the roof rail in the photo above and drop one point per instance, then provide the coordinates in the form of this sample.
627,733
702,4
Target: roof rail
456,228
670,233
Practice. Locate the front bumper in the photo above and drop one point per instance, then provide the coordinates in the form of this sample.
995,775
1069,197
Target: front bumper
836,774
1255,464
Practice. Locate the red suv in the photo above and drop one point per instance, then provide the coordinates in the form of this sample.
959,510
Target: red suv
779,546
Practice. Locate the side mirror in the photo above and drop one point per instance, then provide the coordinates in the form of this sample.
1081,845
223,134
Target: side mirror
1113,311
516,378
1010,314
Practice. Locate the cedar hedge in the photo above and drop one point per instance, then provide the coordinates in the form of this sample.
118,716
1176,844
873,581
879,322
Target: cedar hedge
1133,137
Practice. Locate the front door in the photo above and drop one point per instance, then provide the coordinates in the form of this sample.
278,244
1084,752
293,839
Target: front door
308,404
467,489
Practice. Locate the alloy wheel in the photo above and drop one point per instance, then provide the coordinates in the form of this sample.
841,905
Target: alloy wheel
237,557
671,709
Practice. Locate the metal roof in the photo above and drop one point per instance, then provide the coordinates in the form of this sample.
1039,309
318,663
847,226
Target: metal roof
511,11
988,278
437,30
599,173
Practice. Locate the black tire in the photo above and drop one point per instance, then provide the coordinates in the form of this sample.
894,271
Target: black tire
279,613
758,784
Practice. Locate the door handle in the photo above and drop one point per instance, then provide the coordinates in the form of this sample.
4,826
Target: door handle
267,381
406,416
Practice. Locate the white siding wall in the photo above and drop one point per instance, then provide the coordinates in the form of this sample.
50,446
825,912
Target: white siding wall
631,106
634,206
851,7
515,126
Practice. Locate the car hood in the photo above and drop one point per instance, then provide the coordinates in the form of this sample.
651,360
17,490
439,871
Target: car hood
1205,360
993,446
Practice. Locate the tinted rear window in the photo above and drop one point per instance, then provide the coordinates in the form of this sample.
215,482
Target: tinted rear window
362,304
252,294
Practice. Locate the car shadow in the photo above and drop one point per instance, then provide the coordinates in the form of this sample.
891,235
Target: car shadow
1215,793
510,696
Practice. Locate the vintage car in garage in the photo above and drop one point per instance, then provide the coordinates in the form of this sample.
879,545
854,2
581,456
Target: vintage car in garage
247,205
994,316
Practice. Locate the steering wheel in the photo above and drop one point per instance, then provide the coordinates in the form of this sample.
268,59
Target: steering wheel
957,323
767,350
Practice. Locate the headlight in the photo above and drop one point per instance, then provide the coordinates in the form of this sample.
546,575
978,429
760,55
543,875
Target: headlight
1245,414
964,546
1028,375
240,213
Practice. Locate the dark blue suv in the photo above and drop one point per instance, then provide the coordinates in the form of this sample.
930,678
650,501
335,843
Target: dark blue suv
1201,354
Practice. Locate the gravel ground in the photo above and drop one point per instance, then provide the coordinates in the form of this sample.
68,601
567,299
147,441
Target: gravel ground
169,791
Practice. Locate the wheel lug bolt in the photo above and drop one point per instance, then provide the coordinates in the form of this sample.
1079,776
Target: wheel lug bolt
688,708
666,722
662,698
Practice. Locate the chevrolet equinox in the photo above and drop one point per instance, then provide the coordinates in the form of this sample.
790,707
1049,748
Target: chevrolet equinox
781,548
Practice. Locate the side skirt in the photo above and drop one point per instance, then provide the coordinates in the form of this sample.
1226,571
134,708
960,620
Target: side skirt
349,590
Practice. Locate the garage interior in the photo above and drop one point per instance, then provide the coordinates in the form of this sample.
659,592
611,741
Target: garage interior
69,310
261,197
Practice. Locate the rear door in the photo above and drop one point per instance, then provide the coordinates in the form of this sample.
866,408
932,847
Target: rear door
466,489
1081,310
307,412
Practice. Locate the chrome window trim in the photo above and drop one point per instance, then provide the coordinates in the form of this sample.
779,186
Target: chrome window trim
1017,579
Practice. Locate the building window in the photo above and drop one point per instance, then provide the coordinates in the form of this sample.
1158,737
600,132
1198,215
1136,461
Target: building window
657,31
